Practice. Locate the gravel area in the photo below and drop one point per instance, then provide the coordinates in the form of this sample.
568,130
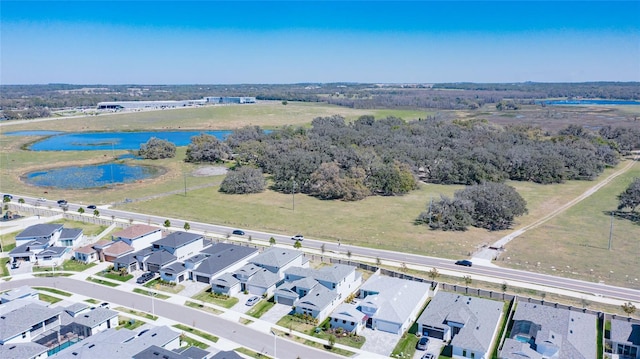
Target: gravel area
210,171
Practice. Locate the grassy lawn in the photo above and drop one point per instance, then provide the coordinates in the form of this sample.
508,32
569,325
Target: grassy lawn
88,229
159,284
92,301
48,298
203,307
8,241
207,336
148,293
251,354
583,232
217,299
76,266
103,282
128,323
50,274
137,313
3,266
407,343
56,291
192,342
260,308
115,276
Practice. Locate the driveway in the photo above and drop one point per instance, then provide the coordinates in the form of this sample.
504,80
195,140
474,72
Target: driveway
276,313
192,288
379,342
434,347
241,306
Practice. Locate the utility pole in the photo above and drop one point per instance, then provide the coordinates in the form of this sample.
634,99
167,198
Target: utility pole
293,192
611,231
430,203
185,184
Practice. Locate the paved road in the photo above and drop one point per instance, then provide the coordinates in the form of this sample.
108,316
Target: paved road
590,288
239,333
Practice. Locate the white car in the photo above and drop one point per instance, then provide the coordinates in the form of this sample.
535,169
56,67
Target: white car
41,199
253,300
298,237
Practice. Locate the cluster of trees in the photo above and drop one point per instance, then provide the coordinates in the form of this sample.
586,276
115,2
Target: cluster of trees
207,148
630,198
492,206
156,148
243,179
336,160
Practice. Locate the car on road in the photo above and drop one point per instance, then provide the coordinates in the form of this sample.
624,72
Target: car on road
464,262
145,277
7,196
92,206
62,202
41,199
298,237
253,300
427,356
238,232
104,305
422,343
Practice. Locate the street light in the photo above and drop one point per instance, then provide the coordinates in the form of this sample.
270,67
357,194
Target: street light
293,192
153,309
275,355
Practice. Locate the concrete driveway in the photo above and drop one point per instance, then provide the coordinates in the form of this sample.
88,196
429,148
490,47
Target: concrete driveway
379,342
276,313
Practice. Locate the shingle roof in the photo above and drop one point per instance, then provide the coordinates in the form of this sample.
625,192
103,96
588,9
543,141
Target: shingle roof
177,239
248,270
102,243
276,257
263,279
230,354
17,293
161,258
22,319
39,230
88,249
348,312
22,350
397,298
95,317
156,352
192,352
177,267
479,317
136,231
196,259
117,249
222,256
317,298
332,274
70,233
625,331
126,259
76,307
52,251
226,280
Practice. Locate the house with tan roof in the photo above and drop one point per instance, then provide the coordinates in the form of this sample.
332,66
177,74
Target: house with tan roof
138,236
115,250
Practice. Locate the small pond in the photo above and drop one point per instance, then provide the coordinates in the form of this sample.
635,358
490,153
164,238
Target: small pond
116,140
590,102
93,176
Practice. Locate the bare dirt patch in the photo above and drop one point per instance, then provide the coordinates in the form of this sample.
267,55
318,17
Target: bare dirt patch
210,171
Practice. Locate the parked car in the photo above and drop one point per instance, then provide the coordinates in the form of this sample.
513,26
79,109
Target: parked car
422,343
15,265
91,206
253,300
464,262
145,277
238,232
298,237
427,356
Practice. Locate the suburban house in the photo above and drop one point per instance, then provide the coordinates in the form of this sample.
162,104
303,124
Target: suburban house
53,256
340,278
470,324
91,322
226,284
24,292
123,343
263,282
221,258
138,235
110,251
26,252
543,331
228,354
278,260
391,304
24,350
87,254
70,237
624,338
318,302
175,272
159,259
24,323
156,352
128,261
43,233
180,244
347,317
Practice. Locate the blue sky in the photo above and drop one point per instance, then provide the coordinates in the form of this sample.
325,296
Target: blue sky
215,42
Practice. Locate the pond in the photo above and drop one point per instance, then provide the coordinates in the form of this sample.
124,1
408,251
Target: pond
33,133
590,102
93,176
115,140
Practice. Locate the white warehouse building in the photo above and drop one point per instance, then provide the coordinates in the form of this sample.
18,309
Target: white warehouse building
136,105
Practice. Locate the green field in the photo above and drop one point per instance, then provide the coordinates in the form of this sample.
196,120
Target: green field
380,222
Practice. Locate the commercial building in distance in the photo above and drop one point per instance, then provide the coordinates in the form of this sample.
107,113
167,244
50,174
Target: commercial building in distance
141,105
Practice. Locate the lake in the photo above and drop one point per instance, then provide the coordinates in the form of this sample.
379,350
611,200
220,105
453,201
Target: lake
589,102
93,176
113,140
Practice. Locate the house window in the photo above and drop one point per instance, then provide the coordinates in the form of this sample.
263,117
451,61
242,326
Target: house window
464,352
344,321
24,335
473,355
335,319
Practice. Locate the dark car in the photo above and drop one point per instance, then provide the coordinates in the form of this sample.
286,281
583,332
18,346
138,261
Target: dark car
464,262
422,343
62,202
7,196
91,206
238,232
145,277
427,356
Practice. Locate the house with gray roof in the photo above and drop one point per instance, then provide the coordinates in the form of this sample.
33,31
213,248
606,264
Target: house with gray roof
123,343
69,237
338,277
23,324
392,304
180,244
138,236
318,302
26,252
221,258
347,317
278,260
45,233
624,338
229,354
175,272
129,261
193,352
24,292
53,256
23,351
226,284
543,331
156,352
88,323
159,259
470,324
263,282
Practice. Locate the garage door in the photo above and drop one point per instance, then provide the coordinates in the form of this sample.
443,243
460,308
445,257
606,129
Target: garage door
387,326
202,279
285,301
433,333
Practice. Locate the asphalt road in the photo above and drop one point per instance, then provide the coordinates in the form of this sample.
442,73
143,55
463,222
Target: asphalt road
255,340
590,288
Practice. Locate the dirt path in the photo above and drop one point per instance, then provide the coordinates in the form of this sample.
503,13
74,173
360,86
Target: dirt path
489,254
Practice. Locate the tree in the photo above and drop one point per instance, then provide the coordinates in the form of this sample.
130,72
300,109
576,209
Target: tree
349,254
156,148
504,287
81,210
272,241
207,148
167,223
243,180
628,308
96,213
6,199
297,245
187,226
21,200
630,198
332,341
494,204
447,214
433,273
